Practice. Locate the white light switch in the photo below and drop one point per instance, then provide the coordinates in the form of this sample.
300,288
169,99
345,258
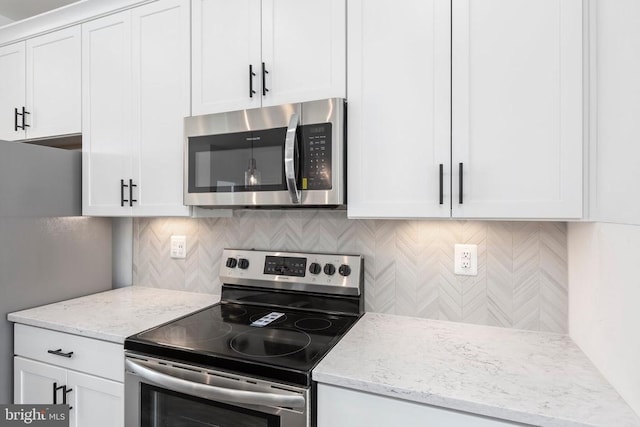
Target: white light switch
465,260
178,246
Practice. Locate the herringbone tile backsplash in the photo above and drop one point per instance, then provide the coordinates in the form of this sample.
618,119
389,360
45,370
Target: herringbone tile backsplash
522,266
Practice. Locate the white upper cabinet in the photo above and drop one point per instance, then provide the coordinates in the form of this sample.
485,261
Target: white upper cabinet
12,83
252,53
40,86
517,108
304,50
616,112
399,103
510,115
161,101
136,94
107,126
226,54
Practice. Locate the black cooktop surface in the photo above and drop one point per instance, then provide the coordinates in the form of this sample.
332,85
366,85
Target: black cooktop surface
273,343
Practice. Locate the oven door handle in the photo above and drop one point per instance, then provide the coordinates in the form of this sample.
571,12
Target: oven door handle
213,392
289,159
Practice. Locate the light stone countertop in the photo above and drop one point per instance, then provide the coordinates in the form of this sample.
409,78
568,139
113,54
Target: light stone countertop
114,315
529,377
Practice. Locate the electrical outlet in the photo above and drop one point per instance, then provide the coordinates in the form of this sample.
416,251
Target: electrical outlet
465,260
178,246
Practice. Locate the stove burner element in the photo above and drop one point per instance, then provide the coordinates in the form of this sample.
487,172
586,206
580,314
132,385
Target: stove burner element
313,324
193,334
232,312
265,313
270,342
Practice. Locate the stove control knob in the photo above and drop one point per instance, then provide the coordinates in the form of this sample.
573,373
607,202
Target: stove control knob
329,269
315,268
344,270
243,263
232,262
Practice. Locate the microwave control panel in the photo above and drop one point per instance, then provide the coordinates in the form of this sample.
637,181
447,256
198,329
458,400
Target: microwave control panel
316,155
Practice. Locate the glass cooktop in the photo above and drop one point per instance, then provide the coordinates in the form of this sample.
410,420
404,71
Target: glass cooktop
274,343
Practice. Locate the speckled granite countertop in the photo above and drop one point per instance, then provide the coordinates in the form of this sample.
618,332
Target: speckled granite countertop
116,314
528,377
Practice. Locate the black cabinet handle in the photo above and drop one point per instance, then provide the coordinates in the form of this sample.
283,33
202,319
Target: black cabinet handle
66,391
122,187
441,172
251,76
59,352
55,392
460,198
131,199
24,118
264,80
24,125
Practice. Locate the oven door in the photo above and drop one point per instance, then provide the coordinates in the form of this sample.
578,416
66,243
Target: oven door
164,394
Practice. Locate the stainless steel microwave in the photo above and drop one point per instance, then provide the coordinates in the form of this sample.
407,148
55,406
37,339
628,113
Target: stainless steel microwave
290,155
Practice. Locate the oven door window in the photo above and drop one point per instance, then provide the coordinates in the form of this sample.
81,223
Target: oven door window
237,162
164,408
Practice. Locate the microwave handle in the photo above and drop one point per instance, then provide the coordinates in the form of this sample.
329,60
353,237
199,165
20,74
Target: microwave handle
289,159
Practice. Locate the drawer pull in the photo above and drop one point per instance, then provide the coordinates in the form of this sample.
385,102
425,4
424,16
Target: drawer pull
59,352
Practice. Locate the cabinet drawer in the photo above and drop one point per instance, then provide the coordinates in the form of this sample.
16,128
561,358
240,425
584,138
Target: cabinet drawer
95,357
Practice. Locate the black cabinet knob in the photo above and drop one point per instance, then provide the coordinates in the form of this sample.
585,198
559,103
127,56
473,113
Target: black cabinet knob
231,262
329,269
344,270
243,263
315,268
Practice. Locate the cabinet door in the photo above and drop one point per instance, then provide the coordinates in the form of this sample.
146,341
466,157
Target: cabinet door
225,42
616,112
12,90
53,84
96,402
517,108
304,49
342,407
161,101
399,91
33,381
106,119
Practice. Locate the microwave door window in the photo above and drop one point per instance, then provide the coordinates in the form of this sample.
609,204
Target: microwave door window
244,161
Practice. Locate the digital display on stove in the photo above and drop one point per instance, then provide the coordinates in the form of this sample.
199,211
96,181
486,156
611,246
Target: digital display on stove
285,266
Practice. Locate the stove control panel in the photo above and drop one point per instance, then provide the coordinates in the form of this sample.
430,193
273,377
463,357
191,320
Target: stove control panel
328,273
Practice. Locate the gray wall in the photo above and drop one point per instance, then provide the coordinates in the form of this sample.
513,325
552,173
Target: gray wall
45,260
522,280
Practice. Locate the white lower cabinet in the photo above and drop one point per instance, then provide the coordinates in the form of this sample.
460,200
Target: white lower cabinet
342,407
90,381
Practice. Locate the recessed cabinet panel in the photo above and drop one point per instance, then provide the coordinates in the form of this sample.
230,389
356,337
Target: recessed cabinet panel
136,95
97,402
517,108
399,91
225,43
33,381
616,120
12,88
106,128
53,84
304,50
253,53
160,102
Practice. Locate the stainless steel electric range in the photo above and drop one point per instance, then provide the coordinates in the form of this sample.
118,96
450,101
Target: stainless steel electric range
247,360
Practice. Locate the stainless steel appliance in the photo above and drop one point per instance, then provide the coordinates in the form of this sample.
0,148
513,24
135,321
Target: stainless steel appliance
289,155
247,360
